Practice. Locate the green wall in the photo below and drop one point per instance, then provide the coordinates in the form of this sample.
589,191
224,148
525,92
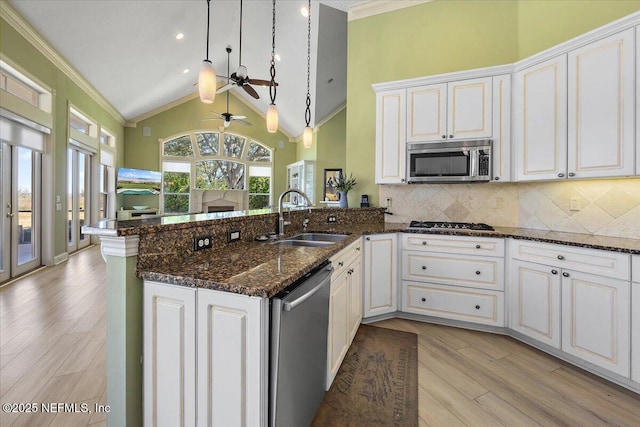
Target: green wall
331,148
445,36
27,57
143,152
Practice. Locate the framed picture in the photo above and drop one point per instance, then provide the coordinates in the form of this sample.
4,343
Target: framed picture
330,192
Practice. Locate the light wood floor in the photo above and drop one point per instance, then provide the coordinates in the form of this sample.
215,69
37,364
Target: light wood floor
52,349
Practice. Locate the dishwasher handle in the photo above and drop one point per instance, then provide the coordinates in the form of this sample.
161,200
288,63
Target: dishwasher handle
322,277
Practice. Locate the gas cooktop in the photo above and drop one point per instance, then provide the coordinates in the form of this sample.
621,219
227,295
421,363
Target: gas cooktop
439,225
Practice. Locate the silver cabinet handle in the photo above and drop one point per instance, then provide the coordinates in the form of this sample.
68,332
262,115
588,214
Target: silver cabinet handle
565,274
560,175
554,271
560,257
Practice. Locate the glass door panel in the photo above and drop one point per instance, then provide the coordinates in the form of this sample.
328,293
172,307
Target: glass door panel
78,186
5,222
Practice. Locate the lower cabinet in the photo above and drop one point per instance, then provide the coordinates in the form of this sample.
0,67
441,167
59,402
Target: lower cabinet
227,334
635,317
345,306
380,274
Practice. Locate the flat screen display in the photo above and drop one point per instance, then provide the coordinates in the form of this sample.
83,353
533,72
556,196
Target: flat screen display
138,181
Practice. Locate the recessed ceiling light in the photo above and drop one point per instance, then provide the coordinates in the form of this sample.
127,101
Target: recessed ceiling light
179,36
277,57
304,11
185,71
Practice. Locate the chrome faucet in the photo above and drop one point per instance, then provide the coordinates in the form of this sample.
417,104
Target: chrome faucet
281,222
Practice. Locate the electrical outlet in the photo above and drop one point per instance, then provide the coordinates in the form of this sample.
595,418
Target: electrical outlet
574,203
202,242
331,219
233,235
388,202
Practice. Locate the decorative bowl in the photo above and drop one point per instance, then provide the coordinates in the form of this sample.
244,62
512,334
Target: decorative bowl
139,208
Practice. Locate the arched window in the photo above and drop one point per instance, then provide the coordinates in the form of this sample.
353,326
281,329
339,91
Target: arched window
210,160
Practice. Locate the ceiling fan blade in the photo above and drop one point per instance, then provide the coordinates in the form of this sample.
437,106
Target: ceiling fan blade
238,117
208,120
225,88
260,82
251,91
218,115
242,122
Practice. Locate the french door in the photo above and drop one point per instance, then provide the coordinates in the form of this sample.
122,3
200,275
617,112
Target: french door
78,197
20,222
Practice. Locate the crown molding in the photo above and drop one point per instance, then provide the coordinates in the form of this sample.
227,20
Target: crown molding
18,23
376,7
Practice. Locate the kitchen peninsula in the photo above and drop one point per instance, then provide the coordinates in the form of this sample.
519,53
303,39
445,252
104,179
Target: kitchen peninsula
161,250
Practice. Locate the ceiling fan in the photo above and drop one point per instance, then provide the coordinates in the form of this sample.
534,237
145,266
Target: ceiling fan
228,117
240,77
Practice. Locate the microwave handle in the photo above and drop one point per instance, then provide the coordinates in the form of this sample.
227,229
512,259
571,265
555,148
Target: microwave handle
473,163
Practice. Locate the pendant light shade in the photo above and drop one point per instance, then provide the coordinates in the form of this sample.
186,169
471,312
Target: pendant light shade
207,82
272,119
307,137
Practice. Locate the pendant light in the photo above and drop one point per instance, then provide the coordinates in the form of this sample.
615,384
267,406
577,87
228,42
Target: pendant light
307,136
272,111
207,77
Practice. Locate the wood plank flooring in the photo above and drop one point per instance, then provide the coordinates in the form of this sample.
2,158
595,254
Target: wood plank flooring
52,349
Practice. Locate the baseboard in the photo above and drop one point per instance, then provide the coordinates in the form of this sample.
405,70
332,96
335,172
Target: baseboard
59,259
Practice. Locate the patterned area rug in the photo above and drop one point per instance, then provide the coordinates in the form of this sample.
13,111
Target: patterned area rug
377,384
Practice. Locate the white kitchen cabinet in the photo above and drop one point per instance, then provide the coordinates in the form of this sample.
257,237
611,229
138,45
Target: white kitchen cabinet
596,320
390,137
300,175
169,327
232,353
345,305
635,319
501,139
637,101
535,301
447,111
601,100
380,274
540,121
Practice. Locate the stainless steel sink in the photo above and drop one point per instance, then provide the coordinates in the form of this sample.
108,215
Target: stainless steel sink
308,243
318,237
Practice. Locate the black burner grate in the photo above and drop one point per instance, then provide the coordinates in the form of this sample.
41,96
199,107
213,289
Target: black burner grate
451,225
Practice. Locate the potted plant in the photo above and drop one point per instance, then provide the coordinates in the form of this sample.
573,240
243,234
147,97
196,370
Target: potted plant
344,185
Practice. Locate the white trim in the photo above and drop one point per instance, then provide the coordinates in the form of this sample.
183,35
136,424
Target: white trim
59,259
18,23
376,7
122,246
443,78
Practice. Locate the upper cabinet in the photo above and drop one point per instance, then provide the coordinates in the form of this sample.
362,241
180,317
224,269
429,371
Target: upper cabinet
541,121
601,108
390,137
300,175
455,110
638,101
501,128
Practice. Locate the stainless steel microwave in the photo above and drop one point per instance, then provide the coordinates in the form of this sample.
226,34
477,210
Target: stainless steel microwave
449,162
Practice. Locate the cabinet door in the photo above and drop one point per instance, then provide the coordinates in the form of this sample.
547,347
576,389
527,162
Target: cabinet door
390,137
469,109
232,359
535,301
501,149
541,121
595,320
635,319
638,100
427,113
601,108
169,324
355,297
380,274
338,337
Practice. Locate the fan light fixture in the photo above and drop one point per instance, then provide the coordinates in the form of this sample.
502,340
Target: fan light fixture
207,77
272,112
307,136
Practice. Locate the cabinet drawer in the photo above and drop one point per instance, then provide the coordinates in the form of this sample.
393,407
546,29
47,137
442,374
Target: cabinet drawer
469,245
594,261
471,271
342,259
635,268
470,305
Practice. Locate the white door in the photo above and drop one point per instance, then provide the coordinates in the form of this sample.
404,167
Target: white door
601,108
595,320
78,197
427,113
469,109
535,301
380,274
390,137
540,120
20,184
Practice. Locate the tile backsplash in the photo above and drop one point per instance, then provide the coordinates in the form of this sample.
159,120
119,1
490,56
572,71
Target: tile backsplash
608,207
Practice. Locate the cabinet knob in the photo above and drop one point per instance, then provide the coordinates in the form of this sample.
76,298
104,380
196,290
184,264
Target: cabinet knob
554,271
424,243
477,307
423,299
358,248
368,238
402,179
478,272
565,274
350,271
450,136
340,264
561,175
444,136
497,178
572,174
424,267
560,257
478,246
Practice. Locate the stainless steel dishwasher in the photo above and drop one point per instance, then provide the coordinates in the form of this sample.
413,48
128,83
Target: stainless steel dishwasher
298,362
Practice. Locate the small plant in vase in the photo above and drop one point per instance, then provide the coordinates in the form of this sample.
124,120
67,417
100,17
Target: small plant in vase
344,185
